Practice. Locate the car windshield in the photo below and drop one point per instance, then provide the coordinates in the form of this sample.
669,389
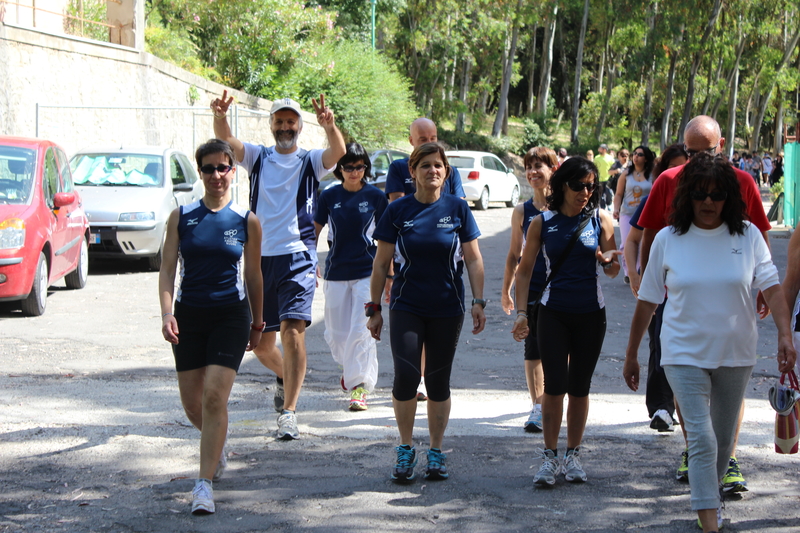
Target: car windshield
119,170
461,162
17,169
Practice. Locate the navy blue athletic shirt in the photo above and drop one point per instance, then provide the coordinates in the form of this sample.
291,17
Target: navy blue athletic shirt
427,239
539,274
351,219
210,254
576,287
399,179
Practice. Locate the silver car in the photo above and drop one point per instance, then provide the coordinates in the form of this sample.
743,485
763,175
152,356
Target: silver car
128,194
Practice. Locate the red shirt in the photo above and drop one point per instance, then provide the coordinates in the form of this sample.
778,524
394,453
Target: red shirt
658,208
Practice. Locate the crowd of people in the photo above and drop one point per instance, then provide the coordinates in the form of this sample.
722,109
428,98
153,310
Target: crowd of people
694,244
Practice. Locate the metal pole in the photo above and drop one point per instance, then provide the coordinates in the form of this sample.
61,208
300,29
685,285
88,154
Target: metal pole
373,2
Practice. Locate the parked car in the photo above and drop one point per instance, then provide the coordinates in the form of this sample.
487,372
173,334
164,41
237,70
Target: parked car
485,178
381,159
128,194
43,228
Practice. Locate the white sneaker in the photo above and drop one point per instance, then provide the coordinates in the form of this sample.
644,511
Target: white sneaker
662,421
202,498
573,470
221,466
534,422
549,470
287,427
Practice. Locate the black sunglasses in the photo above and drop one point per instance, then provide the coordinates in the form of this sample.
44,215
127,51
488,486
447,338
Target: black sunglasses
357,168
640,154
716,196
578,186
209,169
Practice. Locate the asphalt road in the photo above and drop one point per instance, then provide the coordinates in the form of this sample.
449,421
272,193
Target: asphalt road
93,437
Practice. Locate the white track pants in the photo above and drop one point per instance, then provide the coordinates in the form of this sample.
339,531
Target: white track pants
346,331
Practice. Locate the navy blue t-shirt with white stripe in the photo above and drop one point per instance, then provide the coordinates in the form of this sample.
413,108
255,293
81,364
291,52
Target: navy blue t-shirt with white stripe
576,287
427,239
210,249
539,274
351,219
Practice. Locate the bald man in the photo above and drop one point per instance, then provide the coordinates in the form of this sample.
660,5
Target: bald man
399,182
702,134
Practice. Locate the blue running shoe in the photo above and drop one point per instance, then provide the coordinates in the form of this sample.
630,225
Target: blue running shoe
406,461
436,470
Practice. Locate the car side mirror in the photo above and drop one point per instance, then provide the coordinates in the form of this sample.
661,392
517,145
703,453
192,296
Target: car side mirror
182,187
63,198
379,173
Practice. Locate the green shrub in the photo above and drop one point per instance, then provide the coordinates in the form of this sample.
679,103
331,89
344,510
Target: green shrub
533,135
777,189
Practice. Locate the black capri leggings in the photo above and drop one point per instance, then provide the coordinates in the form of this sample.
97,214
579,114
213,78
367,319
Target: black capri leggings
570,344
407,334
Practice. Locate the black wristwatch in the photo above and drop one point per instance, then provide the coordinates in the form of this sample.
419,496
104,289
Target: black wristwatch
607,265
480,302
370,308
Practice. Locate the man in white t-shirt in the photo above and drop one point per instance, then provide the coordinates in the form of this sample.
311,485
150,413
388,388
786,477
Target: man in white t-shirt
283,194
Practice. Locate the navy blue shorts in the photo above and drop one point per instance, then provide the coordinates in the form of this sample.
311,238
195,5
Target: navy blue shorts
211,335
289,284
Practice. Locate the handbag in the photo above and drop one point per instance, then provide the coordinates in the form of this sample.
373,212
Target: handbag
554,269
785,399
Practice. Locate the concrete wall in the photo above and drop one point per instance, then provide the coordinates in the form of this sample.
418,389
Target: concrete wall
57,71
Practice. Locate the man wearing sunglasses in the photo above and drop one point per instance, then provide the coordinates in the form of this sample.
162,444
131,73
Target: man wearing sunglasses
702,134
399,182
283,193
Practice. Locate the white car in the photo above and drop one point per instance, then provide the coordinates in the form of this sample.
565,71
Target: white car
128,194
485,178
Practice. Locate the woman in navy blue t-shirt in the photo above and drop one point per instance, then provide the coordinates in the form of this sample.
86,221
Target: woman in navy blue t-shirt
218,309
351,211
432,236
571,324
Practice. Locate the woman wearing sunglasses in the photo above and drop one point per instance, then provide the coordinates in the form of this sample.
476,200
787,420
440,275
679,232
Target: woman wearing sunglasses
218,309
351,211
709,259
577,241
633,185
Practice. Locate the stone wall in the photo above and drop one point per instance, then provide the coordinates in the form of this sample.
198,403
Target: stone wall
59,72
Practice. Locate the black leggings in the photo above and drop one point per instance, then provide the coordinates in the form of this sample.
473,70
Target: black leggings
570,344
407,334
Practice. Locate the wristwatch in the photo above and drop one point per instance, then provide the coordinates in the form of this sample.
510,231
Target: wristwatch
607,265
370,308
480,302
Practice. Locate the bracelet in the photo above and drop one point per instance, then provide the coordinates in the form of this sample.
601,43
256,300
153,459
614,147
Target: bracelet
165,314
522,313
389,276
370,308
259,327
223,115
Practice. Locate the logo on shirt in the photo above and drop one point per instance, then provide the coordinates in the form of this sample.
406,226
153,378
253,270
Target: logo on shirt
408,224
230,237
552,229
737,251
586,236
363,207
530,218
192,221
444,223
409,180
337,205
310,206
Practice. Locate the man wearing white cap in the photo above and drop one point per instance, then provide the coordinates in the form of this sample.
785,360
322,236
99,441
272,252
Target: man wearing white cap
283,193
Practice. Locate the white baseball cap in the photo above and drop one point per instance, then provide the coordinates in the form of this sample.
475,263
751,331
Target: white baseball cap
285,103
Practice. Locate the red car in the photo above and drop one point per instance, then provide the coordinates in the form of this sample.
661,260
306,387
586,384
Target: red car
43,229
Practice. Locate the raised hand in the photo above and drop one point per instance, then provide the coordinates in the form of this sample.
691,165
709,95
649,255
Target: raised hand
324,114
219,106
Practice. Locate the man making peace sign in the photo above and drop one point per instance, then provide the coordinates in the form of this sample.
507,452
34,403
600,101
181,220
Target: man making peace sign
283,193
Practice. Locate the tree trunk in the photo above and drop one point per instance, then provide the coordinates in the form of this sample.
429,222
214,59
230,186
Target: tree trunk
502,108
547,63
601,121
665,133
533,70
566,96
461,118
730,130
576,98
777,147
647,116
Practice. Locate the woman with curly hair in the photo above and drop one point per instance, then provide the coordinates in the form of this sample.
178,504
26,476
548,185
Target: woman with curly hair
709,259
577,241
633,185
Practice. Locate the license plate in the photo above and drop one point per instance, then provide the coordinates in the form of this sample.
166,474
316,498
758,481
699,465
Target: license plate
94,238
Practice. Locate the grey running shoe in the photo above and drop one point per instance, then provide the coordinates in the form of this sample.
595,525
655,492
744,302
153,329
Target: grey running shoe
573,471
662,421
202,498
278,398
221,466
546,476
287,426
534,422
403,471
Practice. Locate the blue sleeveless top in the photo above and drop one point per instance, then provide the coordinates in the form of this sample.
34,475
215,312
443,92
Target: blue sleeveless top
539,274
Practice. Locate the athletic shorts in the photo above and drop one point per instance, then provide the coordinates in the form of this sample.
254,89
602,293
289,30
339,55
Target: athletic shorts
215,335
289,284
531,342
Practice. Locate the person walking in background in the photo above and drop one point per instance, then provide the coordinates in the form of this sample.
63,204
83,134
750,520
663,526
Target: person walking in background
540,163
620,165
351,211
603,161
766,168
634,184
709,259
217,312
434,236
756,167
577,240
777,170
590,155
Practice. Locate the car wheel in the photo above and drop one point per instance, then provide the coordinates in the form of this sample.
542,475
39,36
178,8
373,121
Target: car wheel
77,278
154,263
514,198
483,202
36,301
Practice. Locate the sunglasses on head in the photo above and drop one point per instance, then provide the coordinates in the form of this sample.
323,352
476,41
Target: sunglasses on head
578,186
716,196
209,169
356,168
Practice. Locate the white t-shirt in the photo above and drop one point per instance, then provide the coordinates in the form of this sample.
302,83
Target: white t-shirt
766,165
283,195
709,318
